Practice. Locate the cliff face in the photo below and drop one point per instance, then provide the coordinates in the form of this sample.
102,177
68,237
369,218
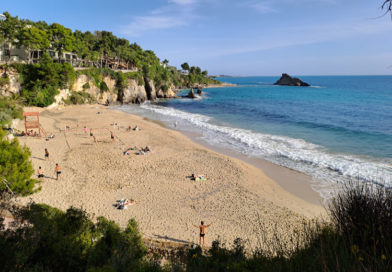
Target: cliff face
83,83
9,82
133,93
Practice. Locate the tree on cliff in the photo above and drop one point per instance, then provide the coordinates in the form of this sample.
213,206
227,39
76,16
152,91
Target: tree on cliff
61,37
185,66
33,39
9,28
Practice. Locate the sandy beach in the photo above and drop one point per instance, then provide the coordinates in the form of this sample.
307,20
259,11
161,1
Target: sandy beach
238,198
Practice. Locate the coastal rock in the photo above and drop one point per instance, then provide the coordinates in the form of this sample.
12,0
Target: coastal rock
191,94
150,89
287,80
134,93
169,93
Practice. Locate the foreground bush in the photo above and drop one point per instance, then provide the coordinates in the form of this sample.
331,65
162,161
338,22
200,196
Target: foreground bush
9,109
15,167
52,240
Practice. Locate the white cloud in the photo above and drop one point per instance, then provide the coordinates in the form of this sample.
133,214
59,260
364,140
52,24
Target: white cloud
183,2
267,6
297,36
263,8
146,23
176,13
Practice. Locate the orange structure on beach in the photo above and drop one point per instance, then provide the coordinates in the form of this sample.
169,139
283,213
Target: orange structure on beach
31,120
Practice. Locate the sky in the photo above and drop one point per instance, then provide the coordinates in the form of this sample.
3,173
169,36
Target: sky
234,37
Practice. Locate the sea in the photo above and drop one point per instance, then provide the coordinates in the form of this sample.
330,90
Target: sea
338,131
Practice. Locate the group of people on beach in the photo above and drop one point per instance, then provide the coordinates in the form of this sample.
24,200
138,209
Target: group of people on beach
57,169
124,203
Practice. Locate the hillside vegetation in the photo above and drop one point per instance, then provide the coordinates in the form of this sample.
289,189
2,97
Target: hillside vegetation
41,81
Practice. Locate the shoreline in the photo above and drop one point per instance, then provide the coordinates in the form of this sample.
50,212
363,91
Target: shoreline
299,185
235,197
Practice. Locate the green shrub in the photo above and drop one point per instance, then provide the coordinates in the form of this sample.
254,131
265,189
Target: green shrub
40,82
69,241
15,167
86,86
77,98
9,109
4,81
103,87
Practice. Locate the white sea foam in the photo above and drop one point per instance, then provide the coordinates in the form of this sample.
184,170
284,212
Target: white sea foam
293,153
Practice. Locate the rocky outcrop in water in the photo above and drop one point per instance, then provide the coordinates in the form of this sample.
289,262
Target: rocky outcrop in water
191,94
287,80
168,93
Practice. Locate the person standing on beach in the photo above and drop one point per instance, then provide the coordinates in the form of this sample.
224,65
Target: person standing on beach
112,135
57,170
40,173
85,129
202,229
46,154
91,132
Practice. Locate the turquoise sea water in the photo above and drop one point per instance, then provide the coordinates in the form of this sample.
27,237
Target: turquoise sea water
338,129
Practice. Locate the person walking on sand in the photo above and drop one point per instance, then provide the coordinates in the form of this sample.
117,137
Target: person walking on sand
40,173
202,229
112,135
57,170
85,129
46,154
91,132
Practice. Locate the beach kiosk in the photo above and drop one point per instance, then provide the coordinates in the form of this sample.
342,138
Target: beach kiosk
31,120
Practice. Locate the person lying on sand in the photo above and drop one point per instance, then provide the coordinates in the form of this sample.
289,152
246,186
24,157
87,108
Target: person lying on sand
198,177
136,128
127,151
143,151
202,229
124,203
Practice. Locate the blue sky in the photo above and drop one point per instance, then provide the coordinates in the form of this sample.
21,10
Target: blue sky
250,37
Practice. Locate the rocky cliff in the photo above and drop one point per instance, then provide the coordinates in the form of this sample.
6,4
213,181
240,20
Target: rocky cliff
134,92
9,82
287,80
